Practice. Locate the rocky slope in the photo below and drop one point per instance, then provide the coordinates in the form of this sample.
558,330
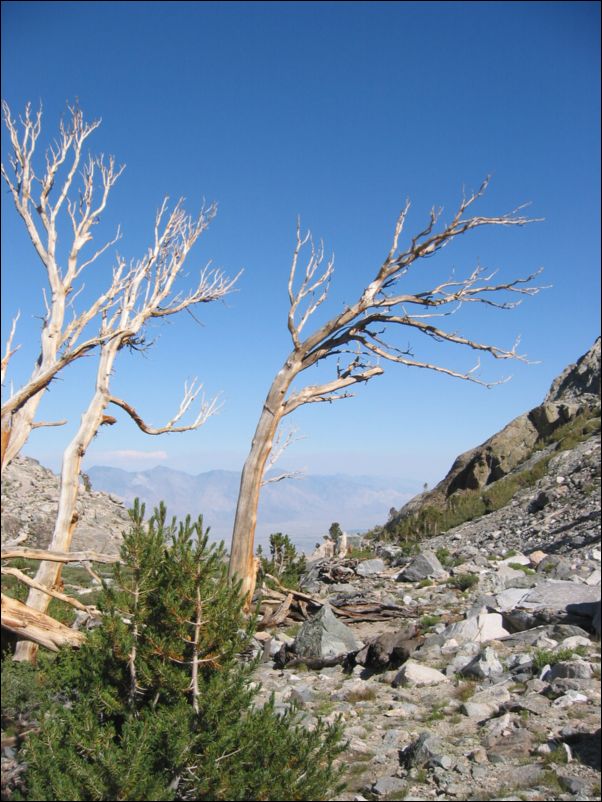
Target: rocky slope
29,505
482,681
487,684
576,392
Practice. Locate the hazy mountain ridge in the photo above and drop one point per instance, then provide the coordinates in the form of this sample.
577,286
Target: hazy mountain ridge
303,508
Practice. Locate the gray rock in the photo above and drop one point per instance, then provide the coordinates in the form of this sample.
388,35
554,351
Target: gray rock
342,587
479,711
355,691
574,785
555,601
512,578
569,699
462,659
324,636
561,595
520,661
554,566
424,566
413,673
574,669
390,649
555,631
498,694
480,629
393,738
533,702
423,751
387,786
370,567
484,665
582,378
302,695
392,554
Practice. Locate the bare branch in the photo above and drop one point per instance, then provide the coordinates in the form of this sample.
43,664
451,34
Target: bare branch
40,424
404,360
308,287
282,476
9,350
42,380
39,199
328,391
207,409
280,446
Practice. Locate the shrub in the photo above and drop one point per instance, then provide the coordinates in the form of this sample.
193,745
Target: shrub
463,581
157,703
520,567
428,621
361,553
546,657
22,691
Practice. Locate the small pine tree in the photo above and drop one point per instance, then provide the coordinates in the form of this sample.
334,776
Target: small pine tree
157,705
284,561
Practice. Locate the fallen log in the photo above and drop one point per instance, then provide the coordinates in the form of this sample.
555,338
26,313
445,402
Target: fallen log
274,619
354,612
38,627
56,594
58,556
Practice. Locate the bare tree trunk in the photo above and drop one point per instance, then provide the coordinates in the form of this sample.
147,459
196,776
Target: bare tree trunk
21,422
49,573
243,537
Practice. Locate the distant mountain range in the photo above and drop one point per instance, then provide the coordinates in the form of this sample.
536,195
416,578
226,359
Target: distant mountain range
302,508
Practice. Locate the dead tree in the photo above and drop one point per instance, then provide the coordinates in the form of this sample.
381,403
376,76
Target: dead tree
148,293
43,201
356,336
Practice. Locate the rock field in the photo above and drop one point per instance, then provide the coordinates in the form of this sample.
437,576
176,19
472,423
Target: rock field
488,686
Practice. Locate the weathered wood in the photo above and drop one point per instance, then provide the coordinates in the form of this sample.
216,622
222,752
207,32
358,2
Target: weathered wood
36,626
58,556
27,580
281,613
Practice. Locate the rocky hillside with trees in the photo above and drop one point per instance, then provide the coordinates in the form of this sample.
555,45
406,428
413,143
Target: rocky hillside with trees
458,658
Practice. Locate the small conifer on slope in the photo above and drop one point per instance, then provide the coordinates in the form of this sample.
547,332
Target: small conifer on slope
156,704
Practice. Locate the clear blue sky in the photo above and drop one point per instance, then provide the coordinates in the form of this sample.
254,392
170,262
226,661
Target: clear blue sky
336,112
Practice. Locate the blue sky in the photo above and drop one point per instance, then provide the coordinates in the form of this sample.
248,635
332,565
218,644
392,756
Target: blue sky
336,112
